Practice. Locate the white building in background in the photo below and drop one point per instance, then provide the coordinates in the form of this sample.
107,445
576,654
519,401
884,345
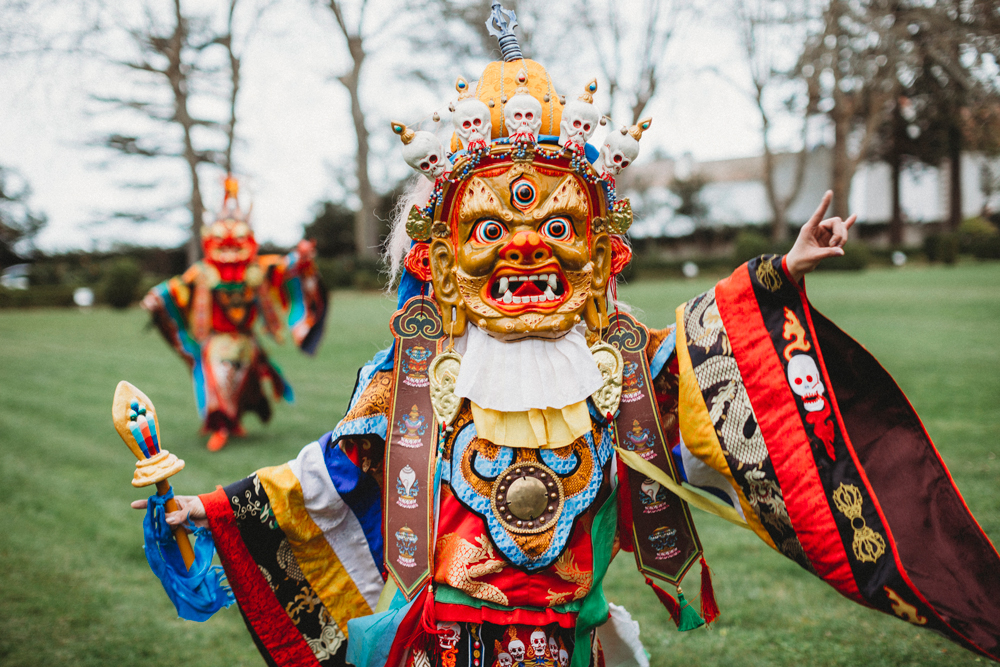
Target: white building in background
734,193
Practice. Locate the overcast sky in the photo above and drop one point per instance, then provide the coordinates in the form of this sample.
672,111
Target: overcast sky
295,125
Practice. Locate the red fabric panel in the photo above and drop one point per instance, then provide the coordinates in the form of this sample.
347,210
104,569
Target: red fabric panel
786,438
276,631
461,613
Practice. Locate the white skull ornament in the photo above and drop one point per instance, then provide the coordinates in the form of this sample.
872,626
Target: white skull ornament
563,657
553,647
448,635
516,650
620,149
538,641
504,659
423,151
522,114
471,118
579,120
804,379
523,117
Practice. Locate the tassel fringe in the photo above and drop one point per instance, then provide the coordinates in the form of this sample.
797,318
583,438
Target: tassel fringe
689,617
667,600
709,607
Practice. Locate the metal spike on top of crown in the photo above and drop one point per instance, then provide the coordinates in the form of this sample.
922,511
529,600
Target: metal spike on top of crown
501,25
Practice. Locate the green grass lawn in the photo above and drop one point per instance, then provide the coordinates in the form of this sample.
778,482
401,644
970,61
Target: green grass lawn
75,587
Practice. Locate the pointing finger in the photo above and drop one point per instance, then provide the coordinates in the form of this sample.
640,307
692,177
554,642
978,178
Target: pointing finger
821,211
139,504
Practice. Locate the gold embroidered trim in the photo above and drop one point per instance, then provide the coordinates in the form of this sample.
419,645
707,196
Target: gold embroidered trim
868,545
768,275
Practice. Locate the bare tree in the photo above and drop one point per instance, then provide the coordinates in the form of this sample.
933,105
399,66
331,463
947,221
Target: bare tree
172,53
847,67
619,43
366,224
762,25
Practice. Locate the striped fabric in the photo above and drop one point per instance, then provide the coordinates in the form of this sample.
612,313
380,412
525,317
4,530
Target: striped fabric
324,532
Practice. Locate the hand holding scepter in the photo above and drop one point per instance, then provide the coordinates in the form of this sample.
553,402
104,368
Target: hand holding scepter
136,422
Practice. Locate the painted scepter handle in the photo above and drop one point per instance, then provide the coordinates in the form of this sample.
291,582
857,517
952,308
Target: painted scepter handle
135,420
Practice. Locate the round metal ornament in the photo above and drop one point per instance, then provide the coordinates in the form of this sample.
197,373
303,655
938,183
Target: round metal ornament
527,498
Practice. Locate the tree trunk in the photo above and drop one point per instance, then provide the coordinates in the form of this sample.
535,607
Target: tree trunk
841,176
896,162
366,224
177,76
955,176
197,212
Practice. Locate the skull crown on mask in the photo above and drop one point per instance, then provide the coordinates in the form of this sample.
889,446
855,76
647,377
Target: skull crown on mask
523,116
423,151
579,120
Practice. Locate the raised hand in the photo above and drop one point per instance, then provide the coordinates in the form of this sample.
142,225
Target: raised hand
191,507
818,239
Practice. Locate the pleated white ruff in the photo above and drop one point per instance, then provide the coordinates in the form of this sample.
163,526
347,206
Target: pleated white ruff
525,374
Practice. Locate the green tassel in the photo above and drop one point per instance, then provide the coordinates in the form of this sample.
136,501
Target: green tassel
689,617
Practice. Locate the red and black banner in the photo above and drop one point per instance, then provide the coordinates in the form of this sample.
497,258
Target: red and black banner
870,500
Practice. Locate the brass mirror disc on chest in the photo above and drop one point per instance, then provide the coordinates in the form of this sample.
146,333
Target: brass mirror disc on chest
527,498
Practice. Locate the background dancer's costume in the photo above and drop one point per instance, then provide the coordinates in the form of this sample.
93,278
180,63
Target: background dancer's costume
208,314
517,435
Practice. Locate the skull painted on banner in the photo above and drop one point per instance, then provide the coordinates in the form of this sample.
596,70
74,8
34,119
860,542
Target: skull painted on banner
563,657
804,379
516,649
448,635
538,641
553,647
504,659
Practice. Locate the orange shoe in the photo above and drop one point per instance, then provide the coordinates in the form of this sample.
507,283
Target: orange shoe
218,440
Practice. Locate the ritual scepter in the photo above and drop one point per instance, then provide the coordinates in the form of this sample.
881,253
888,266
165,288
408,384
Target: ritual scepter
136,422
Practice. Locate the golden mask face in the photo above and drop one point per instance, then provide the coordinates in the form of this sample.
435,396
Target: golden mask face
522,260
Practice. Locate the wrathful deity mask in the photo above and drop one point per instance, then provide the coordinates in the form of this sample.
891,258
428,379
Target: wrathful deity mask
525,252
229,240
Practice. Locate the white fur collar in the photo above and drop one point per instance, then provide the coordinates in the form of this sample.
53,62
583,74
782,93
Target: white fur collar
533,373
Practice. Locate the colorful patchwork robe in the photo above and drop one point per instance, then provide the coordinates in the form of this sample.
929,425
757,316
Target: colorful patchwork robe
769,404
210,324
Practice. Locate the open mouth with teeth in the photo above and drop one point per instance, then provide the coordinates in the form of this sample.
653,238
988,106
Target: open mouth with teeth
229,254
542,289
